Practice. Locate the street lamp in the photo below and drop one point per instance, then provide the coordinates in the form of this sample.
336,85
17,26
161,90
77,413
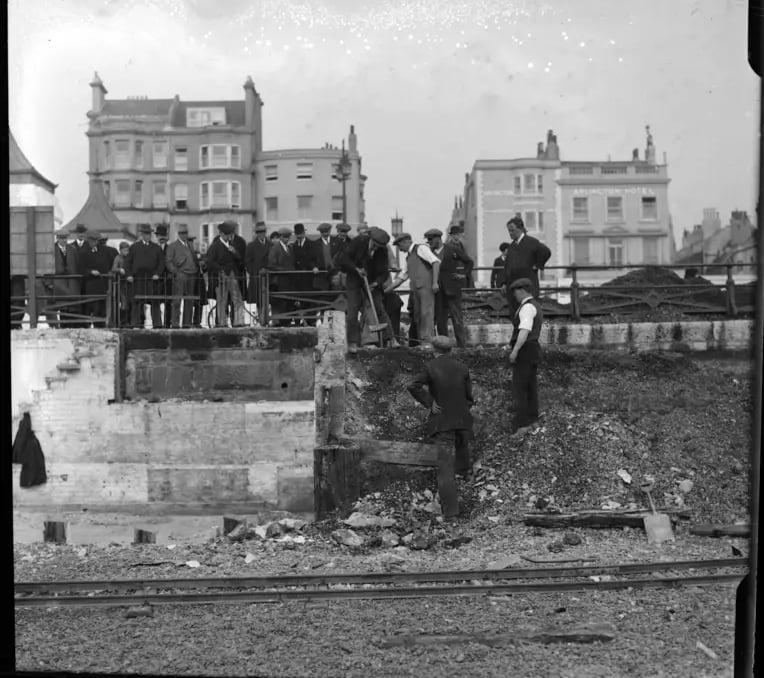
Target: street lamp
342,172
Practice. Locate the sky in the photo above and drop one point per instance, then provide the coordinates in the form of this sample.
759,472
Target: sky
430,85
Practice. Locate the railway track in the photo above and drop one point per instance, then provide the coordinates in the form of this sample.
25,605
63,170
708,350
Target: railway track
274,589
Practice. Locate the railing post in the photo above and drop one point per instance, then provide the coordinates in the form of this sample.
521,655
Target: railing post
575,311
731,303
262,300
32,267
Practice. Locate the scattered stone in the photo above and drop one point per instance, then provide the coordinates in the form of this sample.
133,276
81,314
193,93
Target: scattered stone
707,650
249,558
571,539
624,475
494,519
457,542
407,538
737,467
433,507
389,538
421,541
685,486
556,546
274,530
504,563
139,611
360,520
239,532
392,560
292,524
347,538
192,563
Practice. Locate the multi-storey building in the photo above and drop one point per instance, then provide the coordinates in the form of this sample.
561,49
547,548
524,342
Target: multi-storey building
709,242
587,212
201,162
26,186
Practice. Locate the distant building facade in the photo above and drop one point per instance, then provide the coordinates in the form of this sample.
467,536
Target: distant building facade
26,186
201,162
588,212
711,243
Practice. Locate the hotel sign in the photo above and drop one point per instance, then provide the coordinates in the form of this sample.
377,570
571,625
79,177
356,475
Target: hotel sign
633,190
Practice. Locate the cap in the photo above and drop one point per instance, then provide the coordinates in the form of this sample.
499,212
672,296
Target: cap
324,228
455,229
62,233
284,230
379,236
433,233
260,227
227,227
521,283
93,235
182,228
124,244
442,343
161,229
342,228
144,228
102,238
401,236
299,229
80,229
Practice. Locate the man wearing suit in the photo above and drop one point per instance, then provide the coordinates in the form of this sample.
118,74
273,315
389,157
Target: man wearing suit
339,243
240,245
96,263
255,260
225,262
321,260
526,256
303,261
164,287
445,388
454,239
281,258
183,271
111,251
498,275
76,250
144,265
366,257
455,267
61,287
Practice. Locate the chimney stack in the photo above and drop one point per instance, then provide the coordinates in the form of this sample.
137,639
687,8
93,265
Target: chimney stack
250,103
552,150
352,140
540,150
635,154
99,93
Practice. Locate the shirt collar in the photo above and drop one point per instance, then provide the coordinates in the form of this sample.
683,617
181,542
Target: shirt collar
517,242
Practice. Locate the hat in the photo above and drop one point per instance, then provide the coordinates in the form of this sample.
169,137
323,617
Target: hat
182,228
342,228
161,229
379,236
144,228
260,227
442,343
284,230
93,235
124,244
324,228
401,236
521,284
80,229
299,229
274,235
433,233
455,229
102,238
62,233
227,227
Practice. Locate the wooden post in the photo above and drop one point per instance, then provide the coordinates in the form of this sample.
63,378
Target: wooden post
144,537
336,413
329,378
54,531
32,267
336,478
263,307
575,310
731,303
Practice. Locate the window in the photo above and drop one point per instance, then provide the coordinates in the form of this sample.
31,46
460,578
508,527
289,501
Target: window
181,159
582,170
615,252
122,154
122,193
615,208
580,209
303,206
106,155
138,194
650,250
159,149
304,170
139,155
649,208
529,183
219,155
337,208
202,117
220,194
271,172
235,195
204,195
107,191
540,183
271,209
530,221
541,221
581,251
181,196
518,184
235,157
160,194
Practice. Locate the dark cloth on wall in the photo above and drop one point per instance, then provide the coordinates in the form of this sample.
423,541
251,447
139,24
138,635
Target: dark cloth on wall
28,452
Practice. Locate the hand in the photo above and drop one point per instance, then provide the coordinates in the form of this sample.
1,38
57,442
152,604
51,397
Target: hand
460,276
94,273
513,357
436,409
361,272
122,271
315,269
503,289
129,278
373,285
155,277
387,288
435,288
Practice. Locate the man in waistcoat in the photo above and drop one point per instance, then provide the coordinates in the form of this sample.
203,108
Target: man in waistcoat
422,270
525,355
224,262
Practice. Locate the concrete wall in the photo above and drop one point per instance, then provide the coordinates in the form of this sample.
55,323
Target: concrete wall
142,456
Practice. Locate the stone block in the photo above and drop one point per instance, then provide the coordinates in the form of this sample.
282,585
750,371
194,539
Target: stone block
198,484
295,488
262,483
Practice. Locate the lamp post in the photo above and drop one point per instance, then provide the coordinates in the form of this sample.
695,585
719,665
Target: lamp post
342,172
396,226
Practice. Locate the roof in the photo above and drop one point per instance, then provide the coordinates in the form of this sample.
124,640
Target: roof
136,107
18,164
234,111
97,214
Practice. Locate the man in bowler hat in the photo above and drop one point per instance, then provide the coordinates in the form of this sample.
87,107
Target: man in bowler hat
183,270
144,265
224,262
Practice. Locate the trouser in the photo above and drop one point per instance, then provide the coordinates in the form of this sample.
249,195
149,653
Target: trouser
228,287
183,285
448,305
423,302
449,463
355,296
393,305
525,387
96,309
459,440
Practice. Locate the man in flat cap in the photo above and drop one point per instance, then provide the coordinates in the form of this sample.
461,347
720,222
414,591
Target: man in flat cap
525,355
256,260
422,270
445,388
63,289
223,263
455,266
97,265
526,256
144,265
455,238
183,271
321,260
498,274
366,258
281,258
339,243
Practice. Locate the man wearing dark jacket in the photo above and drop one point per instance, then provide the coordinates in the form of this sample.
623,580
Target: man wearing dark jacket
303,261
281,258
526,256
498,274
445,388
255,260
144,266
76,250
184,273
96,263
164,286
366,257
455,267
224,263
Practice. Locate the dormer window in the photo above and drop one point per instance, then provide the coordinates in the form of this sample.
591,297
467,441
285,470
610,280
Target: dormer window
204,117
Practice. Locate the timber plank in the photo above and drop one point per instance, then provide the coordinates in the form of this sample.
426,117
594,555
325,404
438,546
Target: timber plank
712,530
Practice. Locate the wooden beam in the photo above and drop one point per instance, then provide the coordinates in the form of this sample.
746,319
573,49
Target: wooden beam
336,478
711,530
597,518
32,266
397,452
54,531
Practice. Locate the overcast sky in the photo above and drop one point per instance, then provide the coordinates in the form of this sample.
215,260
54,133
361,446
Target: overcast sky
431,85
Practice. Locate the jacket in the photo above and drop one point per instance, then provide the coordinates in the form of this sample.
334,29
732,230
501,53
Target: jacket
445,381
280,259
144,260
321,280
100,261
356,255
498,278
525,259
180,258
28,453
454,261
256,256
221,258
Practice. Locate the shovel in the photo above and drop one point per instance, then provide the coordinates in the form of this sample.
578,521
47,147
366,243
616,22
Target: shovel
657,525
377,326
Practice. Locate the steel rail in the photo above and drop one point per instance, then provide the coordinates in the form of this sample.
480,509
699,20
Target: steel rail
376,577
244,597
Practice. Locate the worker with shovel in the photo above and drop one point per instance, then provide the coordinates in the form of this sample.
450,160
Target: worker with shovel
365,261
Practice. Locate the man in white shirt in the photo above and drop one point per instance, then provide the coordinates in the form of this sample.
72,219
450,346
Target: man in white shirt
422,268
